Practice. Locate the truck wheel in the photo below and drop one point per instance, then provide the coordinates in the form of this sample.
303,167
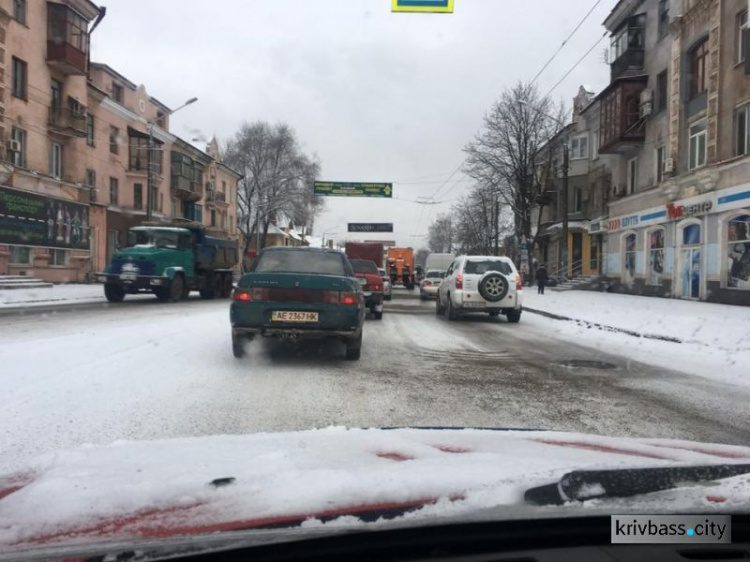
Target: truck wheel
114,293
176,288
162,293
226,286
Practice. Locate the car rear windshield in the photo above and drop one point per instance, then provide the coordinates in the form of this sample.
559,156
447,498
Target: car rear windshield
323,263
483,266
435,274
365,266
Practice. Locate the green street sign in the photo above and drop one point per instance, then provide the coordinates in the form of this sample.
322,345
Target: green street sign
353,189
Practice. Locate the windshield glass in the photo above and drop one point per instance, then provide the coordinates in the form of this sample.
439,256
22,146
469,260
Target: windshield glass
483,266
278,257
156,237
328,263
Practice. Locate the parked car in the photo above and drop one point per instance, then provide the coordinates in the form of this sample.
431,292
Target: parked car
372,285
429,286
481,284
298,293
387,287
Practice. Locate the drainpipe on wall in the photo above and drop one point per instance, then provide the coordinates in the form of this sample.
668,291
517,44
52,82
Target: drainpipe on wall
97,21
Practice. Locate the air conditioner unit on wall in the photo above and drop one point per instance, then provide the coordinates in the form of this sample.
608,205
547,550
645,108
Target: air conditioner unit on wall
667,166
646,102
13,145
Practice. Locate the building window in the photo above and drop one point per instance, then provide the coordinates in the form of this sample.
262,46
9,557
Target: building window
661,91
64,25
698,56
213,217
632,175
199,213
697,145
20,255
90,182
655,256
89,129
594,253
223,219
663,18
138,196
116,92
579,147
577,199
738,252
595,146
19,156
630,37
114,189
741,130
740,36
58,258
19,11
661,154
155,206
138,158
630,255
114,133
19,78
55,160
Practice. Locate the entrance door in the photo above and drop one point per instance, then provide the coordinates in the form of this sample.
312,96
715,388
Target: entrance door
691,268
577,257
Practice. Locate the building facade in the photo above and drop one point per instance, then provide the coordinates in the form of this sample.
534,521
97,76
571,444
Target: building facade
87,153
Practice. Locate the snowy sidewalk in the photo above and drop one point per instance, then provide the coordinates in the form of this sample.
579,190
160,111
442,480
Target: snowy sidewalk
709,340
57,294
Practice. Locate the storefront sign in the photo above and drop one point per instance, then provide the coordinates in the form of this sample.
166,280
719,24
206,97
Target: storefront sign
622,222
370,227
29,219
684,211
434,6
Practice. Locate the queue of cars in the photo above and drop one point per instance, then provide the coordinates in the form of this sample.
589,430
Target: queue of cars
315,293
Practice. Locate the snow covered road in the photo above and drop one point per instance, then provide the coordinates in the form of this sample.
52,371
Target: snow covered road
145,370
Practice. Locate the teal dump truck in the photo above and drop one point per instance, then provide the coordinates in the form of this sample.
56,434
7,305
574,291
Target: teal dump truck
170,260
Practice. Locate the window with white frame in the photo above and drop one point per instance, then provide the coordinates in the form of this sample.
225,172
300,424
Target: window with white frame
738,252
58,258
630,254
20,255
740,36
742,130
697,145
579,147
55,160
632,175
655,256
19,156
661,153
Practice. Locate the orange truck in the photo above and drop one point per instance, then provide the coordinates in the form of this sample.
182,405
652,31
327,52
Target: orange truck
401,267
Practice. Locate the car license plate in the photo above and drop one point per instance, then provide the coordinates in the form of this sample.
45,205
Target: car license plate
293,316
473,305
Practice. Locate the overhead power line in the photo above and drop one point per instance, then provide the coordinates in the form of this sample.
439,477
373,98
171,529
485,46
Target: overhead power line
560,48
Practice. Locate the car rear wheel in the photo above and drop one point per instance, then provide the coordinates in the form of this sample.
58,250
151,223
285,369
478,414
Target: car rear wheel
114,293
439,310
514,316
450,312
354,348
238,348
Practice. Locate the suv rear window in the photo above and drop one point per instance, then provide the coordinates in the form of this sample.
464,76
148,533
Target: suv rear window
365,266
291,261
483,266
435,274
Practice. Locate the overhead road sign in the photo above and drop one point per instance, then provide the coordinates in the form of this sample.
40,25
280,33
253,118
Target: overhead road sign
370,227
353,189
433,6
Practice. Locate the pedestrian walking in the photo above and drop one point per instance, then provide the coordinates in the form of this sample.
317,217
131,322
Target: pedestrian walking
541,279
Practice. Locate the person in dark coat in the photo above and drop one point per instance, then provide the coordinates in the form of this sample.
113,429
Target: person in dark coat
541,278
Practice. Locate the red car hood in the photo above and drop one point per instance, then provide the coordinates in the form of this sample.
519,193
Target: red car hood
131,490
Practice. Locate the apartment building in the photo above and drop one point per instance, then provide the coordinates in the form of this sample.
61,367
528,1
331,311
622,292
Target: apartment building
675,113
87,152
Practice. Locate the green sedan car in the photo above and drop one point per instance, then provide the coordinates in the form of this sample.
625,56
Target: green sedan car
299,293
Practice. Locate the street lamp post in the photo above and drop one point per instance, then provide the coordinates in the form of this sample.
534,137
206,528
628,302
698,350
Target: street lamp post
565,187
150,171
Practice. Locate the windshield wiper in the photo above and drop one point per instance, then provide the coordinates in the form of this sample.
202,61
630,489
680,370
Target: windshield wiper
581,485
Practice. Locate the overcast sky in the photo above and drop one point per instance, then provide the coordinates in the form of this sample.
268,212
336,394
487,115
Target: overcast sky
377,96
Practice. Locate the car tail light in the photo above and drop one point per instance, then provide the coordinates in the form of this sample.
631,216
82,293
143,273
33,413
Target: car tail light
241,295
426,283
459,281
330,297
519,286
347,297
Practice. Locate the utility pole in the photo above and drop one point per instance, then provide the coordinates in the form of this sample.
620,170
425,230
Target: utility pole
564,207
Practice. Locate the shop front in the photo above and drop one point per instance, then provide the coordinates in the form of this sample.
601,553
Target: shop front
696,248
43,237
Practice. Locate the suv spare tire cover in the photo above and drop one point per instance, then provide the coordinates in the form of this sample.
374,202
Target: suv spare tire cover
493,286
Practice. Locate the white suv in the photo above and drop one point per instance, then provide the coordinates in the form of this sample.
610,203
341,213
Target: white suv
481,284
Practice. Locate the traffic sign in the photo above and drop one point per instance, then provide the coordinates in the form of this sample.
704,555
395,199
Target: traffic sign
370,227
353,189
435,6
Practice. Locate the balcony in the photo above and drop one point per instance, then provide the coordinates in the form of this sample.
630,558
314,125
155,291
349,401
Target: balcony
631,61
216,199
67,39
185,189
67,121
622,130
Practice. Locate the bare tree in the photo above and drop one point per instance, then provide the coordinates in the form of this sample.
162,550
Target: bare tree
277,179
475,224
440,235
502,158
